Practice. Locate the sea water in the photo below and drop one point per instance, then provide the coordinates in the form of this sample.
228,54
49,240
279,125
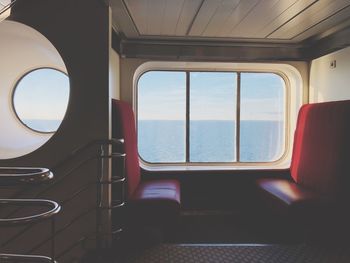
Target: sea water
210,141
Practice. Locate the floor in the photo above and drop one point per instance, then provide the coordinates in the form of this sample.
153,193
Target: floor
177,253
227,227
219,236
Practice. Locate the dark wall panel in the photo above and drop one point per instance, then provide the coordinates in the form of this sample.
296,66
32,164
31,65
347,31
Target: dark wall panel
79,29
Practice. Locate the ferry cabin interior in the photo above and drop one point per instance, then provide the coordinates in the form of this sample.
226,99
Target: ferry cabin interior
174,131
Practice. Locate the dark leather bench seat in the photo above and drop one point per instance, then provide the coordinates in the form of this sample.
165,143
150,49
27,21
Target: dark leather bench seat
287,199
320,167
151,202
157,201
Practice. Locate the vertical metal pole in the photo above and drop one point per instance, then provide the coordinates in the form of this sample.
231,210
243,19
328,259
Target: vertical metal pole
187,117
99,197
238,117
123,190
53,230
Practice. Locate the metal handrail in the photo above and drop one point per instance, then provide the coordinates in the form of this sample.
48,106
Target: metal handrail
19,175
55,208
82,148
25,258
82,189
61,179
7,7
73,154
114,180
77,218
12,175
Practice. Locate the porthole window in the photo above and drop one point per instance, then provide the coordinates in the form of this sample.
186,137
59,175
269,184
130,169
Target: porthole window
40,99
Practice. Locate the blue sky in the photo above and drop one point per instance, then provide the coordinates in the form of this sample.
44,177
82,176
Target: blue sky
162,96
42,94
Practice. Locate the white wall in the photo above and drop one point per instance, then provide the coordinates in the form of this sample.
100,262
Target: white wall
22,49
330,84
114,74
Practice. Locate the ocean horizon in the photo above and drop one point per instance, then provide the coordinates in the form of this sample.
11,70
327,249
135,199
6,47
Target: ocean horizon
163,141
42,125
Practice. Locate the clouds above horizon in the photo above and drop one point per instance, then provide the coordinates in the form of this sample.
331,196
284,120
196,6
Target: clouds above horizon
162,96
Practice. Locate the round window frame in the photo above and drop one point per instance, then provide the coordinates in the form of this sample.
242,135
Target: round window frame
13,99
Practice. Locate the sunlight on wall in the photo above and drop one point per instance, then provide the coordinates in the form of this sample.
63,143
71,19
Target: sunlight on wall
328,83
22,49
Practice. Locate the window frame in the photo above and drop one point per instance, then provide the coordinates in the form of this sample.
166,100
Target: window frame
15,86
294,97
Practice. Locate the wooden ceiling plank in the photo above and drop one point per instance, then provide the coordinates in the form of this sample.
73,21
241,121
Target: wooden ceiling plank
204,16
138,12
315,14
284,17
241,11
155,16
219,18
171,16
334,23
188,12
122,20
289,21
261,13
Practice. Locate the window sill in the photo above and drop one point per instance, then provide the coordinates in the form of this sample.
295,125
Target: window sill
206,167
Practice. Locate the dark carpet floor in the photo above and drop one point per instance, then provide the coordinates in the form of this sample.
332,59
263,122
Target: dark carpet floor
211,237
175,253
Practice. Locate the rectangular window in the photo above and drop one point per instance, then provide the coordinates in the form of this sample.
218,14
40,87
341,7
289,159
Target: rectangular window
162,117
262,117
211,117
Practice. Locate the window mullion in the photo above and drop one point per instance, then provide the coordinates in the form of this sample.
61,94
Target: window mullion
238,117
187,117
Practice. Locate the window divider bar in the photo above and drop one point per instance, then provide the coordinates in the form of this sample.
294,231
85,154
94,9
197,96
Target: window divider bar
187,117
238,117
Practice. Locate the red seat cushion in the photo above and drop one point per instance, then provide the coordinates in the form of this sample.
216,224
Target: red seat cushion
156,201
287,192
149,202
299,210
320,164
283,196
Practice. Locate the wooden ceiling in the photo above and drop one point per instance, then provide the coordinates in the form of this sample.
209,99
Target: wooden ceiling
286,21
3,13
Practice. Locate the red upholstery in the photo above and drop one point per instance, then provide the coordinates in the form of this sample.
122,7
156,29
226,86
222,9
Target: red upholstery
124,127
156,201
155,191
320,164
321,153
287,192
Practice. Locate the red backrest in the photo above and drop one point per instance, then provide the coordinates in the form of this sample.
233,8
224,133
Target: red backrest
321,152
123,126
